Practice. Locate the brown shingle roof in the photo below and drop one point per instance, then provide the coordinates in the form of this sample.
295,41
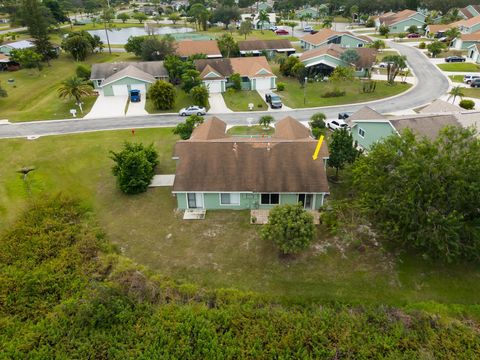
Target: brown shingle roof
366,113
325,34
471,37
428,126
367,55
467,23
434,28
439,106
259,45
104,70
289,128
212,128
396,17
187,48
251,165
245,66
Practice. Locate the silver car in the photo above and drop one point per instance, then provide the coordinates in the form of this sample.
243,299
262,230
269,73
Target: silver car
192,110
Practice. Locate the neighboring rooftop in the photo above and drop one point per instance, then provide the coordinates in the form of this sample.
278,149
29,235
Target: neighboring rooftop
131,72
440,106
366,113
22,44
186,48
390,19
324,35
259,45
428,126
367,55
105,70
256,66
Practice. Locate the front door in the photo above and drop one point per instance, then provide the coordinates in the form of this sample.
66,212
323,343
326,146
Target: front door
306,200
195,200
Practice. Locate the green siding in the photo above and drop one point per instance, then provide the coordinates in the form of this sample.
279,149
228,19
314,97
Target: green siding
474,28
5,49
402,26
328,58
374,131
349,41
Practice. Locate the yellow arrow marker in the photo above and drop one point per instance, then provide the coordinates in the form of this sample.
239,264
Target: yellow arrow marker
317,150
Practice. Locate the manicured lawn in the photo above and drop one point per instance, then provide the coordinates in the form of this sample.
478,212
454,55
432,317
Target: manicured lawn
293,96
250,130
456,78
33,96
255,35
384,53
460,67
182,100
238,101
223,250
471,92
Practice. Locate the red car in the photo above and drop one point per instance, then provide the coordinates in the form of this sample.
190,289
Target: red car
413,36
281,32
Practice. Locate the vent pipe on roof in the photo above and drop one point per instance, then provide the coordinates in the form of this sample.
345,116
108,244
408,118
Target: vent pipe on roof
235,146
115,69
268,146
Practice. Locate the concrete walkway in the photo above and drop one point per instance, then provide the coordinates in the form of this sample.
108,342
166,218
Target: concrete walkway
162,180
217,104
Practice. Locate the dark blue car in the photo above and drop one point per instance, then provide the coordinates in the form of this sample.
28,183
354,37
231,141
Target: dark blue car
135,96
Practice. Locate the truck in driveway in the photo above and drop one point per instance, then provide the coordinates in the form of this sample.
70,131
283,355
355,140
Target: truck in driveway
274,100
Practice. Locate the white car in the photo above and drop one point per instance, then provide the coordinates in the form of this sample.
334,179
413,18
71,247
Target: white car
467,79
274,28
192,110
336,124
382,65
307,29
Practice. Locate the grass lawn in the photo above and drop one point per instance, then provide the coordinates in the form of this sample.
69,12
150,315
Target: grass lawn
33,96
384,53
238,101
456,78
181,100
293,96
471,92
223,250
250,130
460,67
255,35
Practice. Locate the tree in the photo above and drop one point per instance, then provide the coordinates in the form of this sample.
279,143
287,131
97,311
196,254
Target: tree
162,94
200,95
79,45
245,28
75,88
354,12
327,22
290,24
262,19
287,66
317,124
154,49
435,48
290,227
190,79
236,81
174,18
395,64
45,48
124,17
401,36
452,34
265,121
139,16
83,72
228,46
413,29
436,211
377,44
184,130
342,73
200,14
176,67
350,57
3,92
134,45
56,10
27,58
225,15
107,16
343,150
134,167
384,30
454,92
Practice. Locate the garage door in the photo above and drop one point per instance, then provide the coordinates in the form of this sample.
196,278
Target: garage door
140,87
120,90
214,86
263,84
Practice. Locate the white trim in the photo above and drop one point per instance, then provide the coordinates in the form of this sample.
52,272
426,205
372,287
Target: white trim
196,193
314,199
217,75
230,193
358,132
128,76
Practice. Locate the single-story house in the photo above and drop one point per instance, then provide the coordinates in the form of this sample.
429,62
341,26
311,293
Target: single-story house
257,24
368,131
437,30
464,41
218,171
17,45
440,107
255,73
323,60
467,26
328,36
186,48
309,12
271,47
473,52
469,11
262,6
8,65
121,77
400,21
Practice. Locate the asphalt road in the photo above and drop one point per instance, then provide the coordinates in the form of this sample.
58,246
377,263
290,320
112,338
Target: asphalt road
431,85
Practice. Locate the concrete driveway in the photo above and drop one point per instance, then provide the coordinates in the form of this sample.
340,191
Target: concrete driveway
107,107
262,94
137,108
217,104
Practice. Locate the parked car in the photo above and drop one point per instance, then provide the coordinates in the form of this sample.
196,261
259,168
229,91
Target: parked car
475,83
382,65
443,39
413,36
455,59
135,96
274,100
192,110
344,115
336,124
467,79
274,28
307,28
281,32
313,32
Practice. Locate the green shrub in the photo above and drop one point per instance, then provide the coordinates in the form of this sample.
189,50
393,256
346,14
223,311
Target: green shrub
467,104
370,23
334,93
280,86
83,72
200,95
162,94
422,45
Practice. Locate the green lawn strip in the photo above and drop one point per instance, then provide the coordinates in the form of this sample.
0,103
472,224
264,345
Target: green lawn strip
460,67
223,250
293,96
384,53
33,95
471,92
250,130
182,100
456,78
238,101
216,32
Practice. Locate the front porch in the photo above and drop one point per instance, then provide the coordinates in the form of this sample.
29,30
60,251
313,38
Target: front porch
260,216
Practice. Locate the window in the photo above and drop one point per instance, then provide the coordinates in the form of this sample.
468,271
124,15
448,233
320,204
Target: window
229,199
361,132
306,200
99,82
360,45
270,199
195,200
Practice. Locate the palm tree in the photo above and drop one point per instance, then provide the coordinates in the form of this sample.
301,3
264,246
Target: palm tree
452,34
262,19
456,91
75,88
327,22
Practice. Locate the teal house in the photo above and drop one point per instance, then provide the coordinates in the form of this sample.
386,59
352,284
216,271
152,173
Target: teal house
469,11
310,13
217,171
400,21
369,127
465,41
117,79
326,37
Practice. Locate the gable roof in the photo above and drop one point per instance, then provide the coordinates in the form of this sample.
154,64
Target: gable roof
367,56
259,45
434,28
246,66
105,70
439,106
131,72
366,113
428,126
324,35
475,36
290,129
397,17
466,23
212,128
186,48
273,165
22,44
468,13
